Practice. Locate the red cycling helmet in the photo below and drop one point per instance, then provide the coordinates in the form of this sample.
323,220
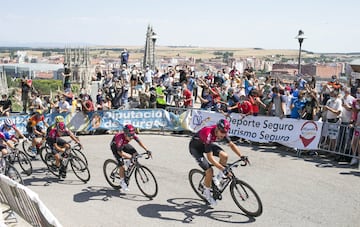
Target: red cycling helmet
223,125
129,130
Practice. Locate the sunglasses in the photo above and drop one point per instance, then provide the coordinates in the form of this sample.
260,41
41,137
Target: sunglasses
130,135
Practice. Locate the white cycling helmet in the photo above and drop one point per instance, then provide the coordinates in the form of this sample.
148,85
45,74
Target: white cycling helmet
8,122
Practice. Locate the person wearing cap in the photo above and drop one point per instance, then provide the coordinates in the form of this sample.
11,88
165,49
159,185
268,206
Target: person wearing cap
204,150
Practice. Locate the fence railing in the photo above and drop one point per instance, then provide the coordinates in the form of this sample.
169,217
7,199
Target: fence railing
25,203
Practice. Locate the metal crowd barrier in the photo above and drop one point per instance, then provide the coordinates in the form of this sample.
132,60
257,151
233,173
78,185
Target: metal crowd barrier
340,138
25,203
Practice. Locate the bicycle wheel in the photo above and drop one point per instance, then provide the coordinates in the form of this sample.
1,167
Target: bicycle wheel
111,172
50,163
196,179
13,174
43,151
24,162
246,198
80,154
146,181
80,169
26,145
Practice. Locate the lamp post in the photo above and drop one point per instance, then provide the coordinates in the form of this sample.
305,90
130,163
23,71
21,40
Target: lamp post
300,37
153,40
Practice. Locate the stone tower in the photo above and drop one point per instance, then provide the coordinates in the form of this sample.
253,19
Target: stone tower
78,59
149,53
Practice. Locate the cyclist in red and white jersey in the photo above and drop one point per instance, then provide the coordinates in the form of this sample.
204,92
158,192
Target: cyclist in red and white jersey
203,143
121,149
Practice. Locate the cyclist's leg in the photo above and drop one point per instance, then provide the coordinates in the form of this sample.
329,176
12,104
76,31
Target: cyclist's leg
117,155
198,153
219,152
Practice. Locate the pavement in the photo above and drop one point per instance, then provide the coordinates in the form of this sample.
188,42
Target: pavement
295,191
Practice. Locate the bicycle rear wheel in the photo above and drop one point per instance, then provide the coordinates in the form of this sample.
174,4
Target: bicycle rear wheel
24,162
146,181
111,173
80,169
196,179
246,198
43,151
13,174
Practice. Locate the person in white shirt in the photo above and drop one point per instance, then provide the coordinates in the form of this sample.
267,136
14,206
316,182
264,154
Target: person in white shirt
148,78
64,106
333,110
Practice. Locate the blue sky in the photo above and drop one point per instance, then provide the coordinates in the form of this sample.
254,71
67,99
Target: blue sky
330,26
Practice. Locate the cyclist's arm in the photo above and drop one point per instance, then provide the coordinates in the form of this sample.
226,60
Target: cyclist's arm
73,137
18,132
235,148
142,145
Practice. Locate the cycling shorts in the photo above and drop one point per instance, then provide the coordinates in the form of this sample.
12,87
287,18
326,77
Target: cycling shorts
126,148
197,150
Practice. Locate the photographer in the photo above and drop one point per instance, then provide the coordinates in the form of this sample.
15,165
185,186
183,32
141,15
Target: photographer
66,74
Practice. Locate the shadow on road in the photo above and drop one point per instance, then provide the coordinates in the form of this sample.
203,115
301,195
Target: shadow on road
104,194
190,209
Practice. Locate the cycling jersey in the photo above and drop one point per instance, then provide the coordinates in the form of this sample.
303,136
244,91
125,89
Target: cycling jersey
55,133
120,141
206,136
35,119
6,133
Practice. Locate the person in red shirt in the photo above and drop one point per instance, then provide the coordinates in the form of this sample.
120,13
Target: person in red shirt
187,94
255,101
244,106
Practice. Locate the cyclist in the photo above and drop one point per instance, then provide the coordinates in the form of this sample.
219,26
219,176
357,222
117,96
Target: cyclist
203,143
4,143
34,129
7,126
58,145
121,150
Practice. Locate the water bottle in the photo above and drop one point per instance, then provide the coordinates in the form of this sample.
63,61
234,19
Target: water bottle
127,163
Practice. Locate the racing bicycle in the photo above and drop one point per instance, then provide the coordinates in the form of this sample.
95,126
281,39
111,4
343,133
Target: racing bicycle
244,196
144,178
78,166
9,170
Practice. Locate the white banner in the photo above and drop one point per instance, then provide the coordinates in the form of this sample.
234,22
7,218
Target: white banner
301,134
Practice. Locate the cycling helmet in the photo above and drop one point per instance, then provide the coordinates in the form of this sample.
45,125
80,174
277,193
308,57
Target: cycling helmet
129,130
59,119
223,125
8,122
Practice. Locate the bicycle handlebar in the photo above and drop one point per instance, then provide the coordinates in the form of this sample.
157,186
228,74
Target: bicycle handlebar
243,161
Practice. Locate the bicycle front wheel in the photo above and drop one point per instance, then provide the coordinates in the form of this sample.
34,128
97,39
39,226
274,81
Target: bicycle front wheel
111,173
43,151
51,164
13,174
146,181
26,145
80,154
246,198
80,169
196,179
25,163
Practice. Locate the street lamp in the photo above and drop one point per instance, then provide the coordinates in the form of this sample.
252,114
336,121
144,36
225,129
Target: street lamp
300,37
153,39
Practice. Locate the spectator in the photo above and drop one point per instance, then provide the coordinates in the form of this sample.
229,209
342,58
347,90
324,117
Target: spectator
67,76
206,99
334,83
333,110
125,82
25,90
232,100
297,105
99,100
148,78
64,106
311,106
134,80
277,104
87,104
5,105
243,106
69,96
255,101
125,57
187,94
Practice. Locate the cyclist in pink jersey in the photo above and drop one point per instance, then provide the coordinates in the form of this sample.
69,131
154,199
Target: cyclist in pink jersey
203,143
121,149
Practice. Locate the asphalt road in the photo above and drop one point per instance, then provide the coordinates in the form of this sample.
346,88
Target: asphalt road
295,191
